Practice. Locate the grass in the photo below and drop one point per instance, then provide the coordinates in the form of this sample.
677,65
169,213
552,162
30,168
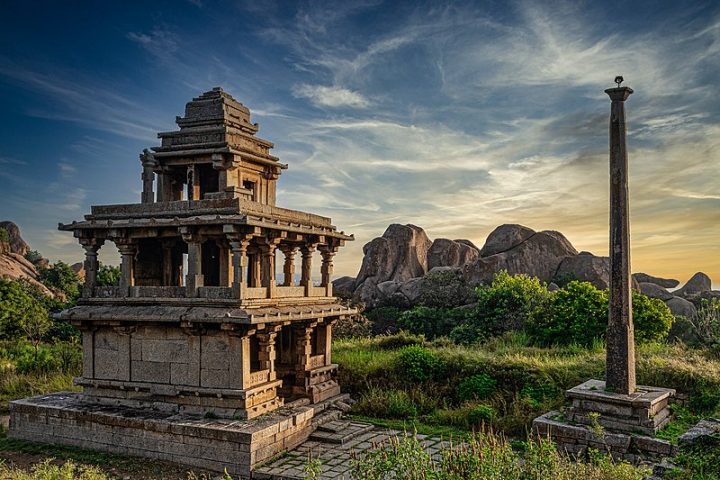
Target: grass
530,380
14,385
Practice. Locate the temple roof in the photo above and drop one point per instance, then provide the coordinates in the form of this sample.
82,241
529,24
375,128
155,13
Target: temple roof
217,107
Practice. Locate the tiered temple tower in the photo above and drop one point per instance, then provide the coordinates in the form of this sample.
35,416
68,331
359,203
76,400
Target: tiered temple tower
199,322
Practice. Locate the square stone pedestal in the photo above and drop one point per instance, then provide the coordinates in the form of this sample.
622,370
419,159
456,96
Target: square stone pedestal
212,444
645,411
628,422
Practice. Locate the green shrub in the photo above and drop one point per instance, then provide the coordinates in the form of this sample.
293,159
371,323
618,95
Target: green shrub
384,319
481,414
445,289
430,322
651,317
4,236
33,256
417,364
394,403
505,305
477,387
578,313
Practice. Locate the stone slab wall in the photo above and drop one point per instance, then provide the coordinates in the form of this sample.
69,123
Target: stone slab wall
163,355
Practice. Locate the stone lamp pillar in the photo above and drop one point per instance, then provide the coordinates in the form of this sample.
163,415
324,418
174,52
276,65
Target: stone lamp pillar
620,369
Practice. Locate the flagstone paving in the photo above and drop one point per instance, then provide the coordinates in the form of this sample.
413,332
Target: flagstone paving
335,444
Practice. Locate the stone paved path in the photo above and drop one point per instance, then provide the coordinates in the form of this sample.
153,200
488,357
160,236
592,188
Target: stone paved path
334,444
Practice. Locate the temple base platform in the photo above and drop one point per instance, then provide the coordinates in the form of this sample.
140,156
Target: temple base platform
209,443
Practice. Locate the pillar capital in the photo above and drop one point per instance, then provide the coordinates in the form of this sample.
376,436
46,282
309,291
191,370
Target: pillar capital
619,94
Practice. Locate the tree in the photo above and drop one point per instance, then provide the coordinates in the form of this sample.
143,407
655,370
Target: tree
108,276
35,325
60,277
18,309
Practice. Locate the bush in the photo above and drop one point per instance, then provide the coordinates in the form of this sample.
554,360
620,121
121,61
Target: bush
505,305
445,289
34,257
352,326
481,414
4,236
384,319
705,325
574,314
417,364
430,322
394,404
578,314
477,387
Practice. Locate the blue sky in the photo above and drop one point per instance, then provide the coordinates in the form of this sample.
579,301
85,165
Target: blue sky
454,116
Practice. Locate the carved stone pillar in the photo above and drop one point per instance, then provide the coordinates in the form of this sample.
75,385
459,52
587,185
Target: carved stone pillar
168,264
326,269
306,275
289,252
148,176
91,246
194,278
255,268
193,183
303,348
267,354
128,249
239,247
267,251
225,262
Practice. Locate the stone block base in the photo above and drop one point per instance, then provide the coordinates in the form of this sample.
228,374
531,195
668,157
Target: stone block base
577,439
645,411
212,444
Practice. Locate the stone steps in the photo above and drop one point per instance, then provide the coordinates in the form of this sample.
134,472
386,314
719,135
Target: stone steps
339,432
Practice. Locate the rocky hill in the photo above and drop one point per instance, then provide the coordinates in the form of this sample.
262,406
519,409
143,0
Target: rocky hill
13,263
395,265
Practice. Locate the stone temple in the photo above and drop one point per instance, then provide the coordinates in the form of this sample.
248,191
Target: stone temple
200,355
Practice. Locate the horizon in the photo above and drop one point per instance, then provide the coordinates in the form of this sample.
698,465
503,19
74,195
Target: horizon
453,118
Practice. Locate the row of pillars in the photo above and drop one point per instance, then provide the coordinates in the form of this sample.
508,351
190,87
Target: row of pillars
263,269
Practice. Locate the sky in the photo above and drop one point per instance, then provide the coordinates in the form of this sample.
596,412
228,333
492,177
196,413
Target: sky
453,116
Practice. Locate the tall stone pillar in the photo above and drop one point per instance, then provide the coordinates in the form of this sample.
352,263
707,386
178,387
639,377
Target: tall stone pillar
127,249
289,252
91,246
194,278
306,274
303,349
620,369
255,269
168,263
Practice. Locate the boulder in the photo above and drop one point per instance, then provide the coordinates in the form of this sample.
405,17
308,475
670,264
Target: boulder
79,269
653,290
553,287
399,255
663,282
343,287
451,253
505,237
539,255
681,307
586,267
698,284
412,290
17,244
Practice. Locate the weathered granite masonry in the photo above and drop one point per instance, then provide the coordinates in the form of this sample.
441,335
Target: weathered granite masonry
200,324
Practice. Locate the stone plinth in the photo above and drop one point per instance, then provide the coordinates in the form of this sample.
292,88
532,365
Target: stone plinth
213,444
623,425
645,411
576,439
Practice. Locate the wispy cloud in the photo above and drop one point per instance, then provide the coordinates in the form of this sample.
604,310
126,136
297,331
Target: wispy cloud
332,96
